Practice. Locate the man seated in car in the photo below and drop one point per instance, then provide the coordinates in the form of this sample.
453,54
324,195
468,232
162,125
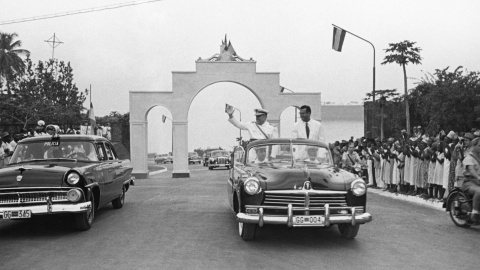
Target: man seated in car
261,155
312,155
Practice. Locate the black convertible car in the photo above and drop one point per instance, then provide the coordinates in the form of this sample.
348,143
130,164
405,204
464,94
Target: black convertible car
293,182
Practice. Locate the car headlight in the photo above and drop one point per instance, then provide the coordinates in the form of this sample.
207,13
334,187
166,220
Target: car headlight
74,195
73,178
252,186
358,187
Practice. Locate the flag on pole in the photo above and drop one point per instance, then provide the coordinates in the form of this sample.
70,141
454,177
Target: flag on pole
338,37
91,118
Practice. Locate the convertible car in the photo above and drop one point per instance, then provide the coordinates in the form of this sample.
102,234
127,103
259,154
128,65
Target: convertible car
63,174
293,182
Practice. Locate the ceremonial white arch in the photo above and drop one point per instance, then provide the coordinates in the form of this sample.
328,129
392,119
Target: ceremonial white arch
223,67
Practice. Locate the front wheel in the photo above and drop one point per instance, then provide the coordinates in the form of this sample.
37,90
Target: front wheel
247,230
118,202
84,221
460,207
348,231
210,168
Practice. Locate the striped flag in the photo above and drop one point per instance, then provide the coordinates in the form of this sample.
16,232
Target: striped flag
91,118
338,37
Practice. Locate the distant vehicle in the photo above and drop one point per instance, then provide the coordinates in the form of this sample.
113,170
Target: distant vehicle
63,174
193,158
219,158
164,158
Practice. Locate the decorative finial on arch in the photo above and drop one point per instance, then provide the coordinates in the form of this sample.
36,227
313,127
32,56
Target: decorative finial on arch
227,53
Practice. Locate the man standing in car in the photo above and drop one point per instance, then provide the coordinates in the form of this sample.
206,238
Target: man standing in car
260,129
307,127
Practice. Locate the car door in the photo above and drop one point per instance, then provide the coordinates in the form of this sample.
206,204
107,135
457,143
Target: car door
118,170
105,180
237,171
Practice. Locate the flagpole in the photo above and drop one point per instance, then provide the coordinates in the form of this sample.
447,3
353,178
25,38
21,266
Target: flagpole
89,106
373,93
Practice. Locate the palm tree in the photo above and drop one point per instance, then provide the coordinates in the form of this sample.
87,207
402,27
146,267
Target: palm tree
403,53
10,61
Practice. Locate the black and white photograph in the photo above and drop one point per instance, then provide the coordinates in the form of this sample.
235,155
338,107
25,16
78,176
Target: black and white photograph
239,134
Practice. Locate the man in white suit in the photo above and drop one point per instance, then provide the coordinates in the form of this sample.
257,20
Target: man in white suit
308,128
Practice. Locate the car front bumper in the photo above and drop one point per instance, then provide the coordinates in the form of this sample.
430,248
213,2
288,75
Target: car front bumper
50,209
260,218
219,165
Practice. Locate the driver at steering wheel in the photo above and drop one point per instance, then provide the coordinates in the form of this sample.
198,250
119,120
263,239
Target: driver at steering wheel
261,155
312,153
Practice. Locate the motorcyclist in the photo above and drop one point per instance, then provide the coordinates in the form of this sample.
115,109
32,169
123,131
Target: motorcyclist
350,158
471,182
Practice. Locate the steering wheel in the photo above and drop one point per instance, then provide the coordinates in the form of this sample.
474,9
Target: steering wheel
78,155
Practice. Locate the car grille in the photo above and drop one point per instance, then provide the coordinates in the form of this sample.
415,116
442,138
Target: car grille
221,160
32,197
304,200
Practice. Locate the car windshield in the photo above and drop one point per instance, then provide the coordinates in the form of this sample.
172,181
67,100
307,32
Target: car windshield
51,149
219,154
285,155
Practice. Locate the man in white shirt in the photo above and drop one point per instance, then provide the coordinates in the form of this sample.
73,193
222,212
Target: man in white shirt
350,158
260,129
307,127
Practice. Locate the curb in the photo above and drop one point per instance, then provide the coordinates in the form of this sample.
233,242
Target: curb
414,199
157,172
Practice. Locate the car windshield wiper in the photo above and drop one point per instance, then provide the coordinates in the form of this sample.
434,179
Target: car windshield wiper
29,160
67,159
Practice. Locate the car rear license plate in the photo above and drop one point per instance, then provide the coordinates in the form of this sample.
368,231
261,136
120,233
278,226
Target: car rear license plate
309,220
17,214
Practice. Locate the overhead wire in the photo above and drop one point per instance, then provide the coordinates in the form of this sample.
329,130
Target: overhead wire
81,11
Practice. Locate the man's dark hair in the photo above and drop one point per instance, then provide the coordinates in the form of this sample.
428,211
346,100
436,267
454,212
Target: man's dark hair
307,108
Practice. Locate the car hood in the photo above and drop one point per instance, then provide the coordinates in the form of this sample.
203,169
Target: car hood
34,175
295,177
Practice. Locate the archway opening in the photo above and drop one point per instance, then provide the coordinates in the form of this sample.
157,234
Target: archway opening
208,125
288,118
159,128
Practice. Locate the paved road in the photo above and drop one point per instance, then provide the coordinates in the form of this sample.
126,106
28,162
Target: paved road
187,224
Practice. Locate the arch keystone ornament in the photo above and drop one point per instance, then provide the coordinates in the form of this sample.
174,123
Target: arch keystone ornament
226,66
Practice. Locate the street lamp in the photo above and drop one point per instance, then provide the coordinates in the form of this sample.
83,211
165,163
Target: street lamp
240,119
164,118
296,107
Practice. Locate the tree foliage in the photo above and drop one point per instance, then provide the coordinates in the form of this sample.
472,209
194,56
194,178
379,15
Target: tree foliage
45,91
403,53
447,100
10,61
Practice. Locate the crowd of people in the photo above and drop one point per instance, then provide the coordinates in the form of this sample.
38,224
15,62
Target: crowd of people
418,165
9,141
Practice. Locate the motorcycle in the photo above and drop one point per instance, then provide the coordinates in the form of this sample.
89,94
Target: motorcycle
459,205
356,169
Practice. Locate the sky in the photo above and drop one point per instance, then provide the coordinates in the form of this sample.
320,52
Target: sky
136,48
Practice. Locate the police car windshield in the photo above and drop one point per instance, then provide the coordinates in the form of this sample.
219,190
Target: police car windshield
51,149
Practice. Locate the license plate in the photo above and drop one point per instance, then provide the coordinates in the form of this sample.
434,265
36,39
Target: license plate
17,214
309,220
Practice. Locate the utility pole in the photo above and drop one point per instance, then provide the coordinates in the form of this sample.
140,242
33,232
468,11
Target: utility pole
53,42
